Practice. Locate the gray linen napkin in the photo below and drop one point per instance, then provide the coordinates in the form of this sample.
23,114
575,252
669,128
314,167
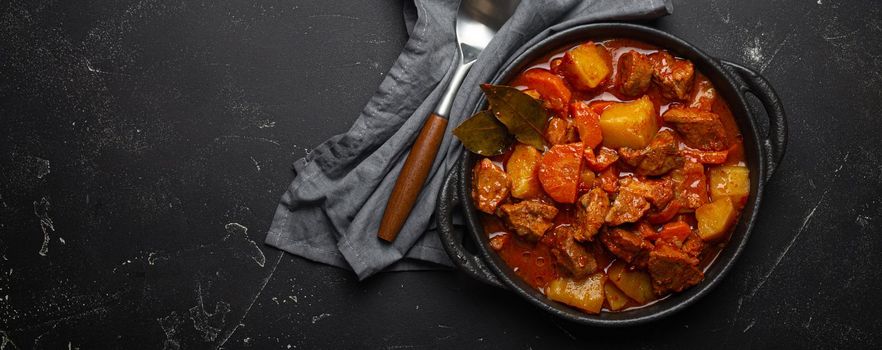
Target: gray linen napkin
332,209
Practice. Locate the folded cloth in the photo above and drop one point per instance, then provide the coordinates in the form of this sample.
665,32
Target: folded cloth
332,209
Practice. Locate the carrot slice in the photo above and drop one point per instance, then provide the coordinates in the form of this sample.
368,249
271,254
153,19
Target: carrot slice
560,171
552,88
707,157
587,122
677,230
600,106
605,157
665,214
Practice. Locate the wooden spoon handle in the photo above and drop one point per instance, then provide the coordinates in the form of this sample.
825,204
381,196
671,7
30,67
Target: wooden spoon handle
413,176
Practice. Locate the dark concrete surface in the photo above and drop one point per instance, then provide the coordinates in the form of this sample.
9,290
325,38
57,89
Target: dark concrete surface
145,145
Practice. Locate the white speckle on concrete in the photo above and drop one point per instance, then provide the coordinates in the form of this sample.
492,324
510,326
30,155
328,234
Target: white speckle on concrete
317,318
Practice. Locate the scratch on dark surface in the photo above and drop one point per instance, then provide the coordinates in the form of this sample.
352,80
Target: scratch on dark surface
152,257
99,71
41,210
394,347
39,165
54,321
320,317
771,58
863,222
171,326
248,138
805,223
256,164
209,325
5,342
802,228
253,300
335,16
716,8
842,36
738,310
239,231
559,326
749,326
39,338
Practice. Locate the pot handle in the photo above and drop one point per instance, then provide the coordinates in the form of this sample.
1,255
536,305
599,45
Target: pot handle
775,143
451,238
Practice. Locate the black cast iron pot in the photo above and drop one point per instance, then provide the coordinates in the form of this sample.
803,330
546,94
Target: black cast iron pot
762,154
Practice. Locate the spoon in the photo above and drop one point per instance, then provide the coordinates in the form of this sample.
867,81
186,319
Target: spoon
477,21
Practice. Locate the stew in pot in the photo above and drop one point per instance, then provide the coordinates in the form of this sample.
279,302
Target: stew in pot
612,174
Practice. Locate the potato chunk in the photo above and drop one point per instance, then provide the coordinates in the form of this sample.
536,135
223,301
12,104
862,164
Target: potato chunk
522,168
732,181
629,124
715,218
586,294
614,297
586,66
635,284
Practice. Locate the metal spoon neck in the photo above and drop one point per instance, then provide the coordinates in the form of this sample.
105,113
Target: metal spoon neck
459,73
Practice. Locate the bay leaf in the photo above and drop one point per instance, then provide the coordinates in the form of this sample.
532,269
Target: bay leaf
523,115
483,134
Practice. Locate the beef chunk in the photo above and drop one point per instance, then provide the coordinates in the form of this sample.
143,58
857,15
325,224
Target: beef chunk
672,270
690,185
657,192
660,156
530,218
700,129
491,186
694,246
602,160
591,209
560,131
703,95
672,75
574,257
635,73
627,245
499,240
628,207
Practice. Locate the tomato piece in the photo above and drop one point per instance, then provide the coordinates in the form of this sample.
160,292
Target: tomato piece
600,106
665,214
587,122
603,159
560,171
609,179
677,230
552,88
707,157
